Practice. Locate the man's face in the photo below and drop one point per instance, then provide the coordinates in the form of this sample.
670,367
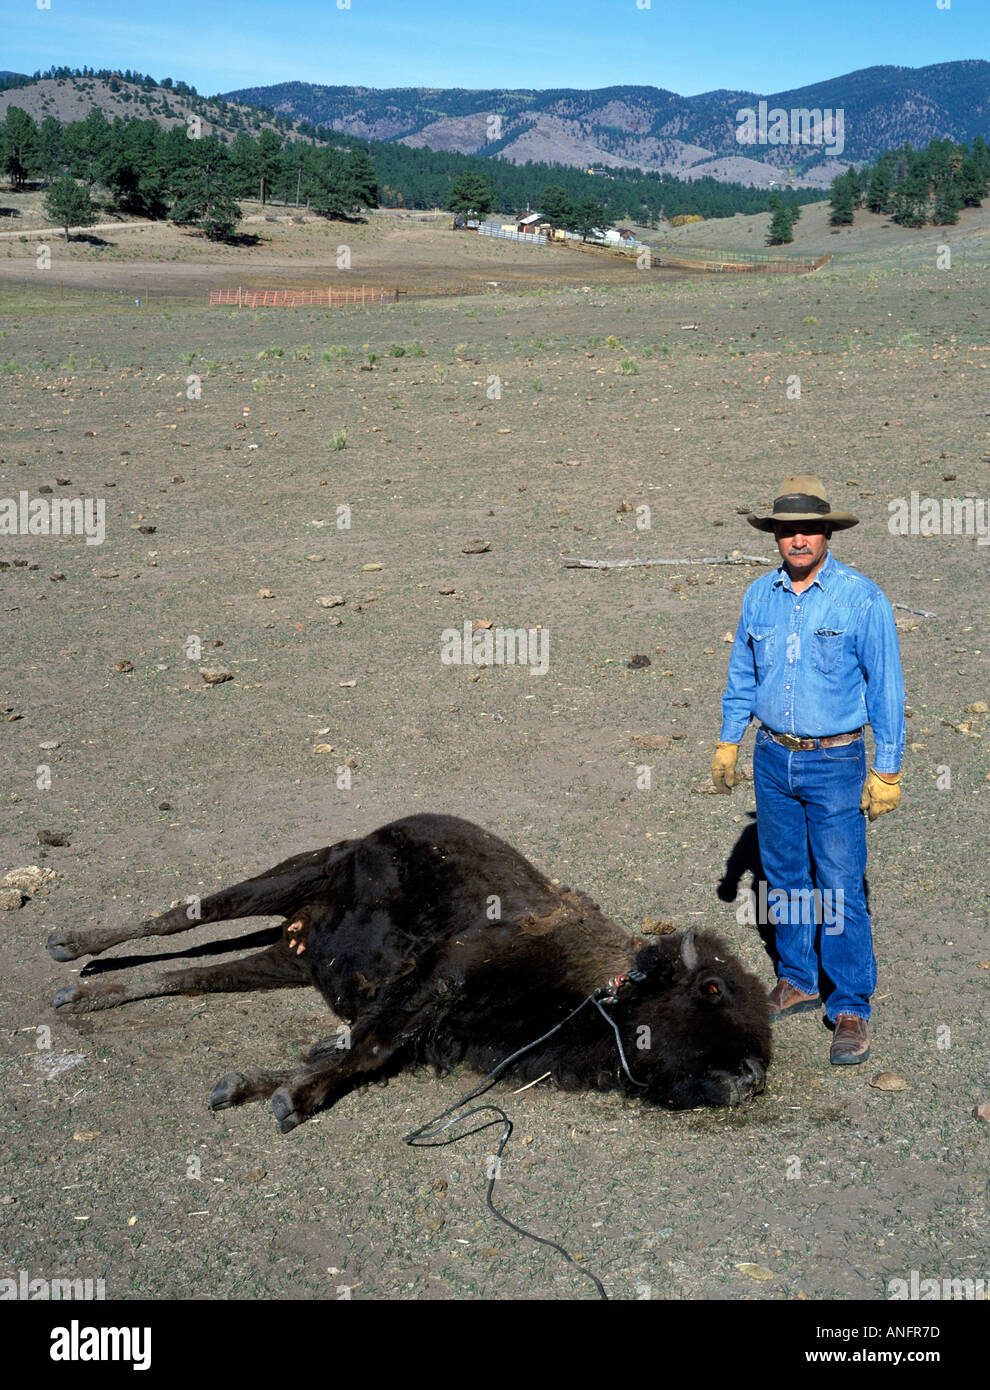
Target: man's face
802,544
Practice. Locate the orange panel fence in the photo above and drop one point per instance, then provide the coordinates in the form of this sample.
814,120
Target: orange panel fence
295,299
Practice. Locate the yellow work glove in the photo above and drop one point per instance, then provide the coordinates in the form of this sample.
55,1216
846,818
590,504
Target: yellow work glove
724,767
881,792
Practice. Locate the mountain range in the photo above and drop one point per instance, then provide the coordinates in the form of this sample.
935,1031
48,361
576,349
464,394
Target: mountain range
650,128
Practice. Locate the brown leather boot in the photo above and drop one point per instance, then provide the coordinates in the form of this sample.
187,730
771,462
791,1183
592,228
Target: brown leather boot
851,1043
786,999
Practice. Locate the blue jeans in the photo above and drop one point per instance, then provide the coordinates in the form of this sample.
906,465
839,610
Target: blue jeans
807,809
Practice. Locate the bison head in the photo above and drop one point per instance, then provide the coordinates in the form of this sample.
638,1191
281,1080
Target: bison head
697,1025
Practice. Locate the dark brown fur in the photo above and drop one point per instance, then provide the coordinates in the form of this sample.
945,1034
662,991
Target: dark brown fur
440,943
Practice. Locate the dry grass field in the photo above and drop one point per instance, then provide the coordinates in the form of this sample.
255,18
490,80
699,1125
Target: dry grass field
525,413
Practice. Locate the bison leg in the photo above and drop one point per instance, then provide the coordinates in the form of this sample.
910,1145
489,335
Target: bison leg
375,1041
273,968
241,1087
276,892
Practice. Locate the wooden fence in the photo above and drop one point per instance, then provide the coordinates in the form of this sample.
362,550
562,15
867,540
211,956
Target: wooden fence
295,299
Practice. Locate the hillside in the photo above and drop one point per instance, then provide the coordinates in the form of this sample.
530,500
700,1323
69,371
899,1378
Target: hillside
70,99
653,129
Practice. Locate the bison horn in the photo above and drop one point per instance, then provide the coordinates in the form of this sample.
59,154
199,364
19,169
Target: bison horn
689,951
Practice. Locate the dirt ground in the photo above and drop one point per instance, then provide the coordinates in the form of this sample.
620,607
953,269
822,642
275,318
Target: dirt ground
283,246
113,1167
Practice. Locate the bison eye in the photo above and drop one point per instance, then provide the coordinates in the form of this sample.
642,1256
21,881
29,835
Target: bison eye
712,988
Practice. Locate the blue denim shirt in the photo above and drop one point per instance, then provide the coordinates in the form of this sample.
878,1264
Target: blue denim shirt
825,661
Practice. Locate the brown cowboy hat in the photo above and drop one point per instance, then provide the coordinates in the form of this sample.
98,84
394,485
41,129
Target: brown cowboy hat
802,498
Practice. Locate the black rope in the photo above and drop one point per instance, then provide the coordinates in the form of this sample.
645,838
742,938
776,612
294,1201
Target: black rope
419,1138
618,1041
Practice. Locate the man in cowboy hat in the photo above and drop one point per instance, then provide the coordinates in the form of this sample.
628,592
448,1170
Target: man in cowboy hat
815,658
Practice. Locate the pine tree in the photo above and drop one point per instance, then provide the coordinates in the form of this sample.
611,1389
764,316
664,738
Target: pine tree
20,146
781,229
244,171
69,205
49,148
471,195
881,185
556,206
87,145
842,202
971,183
363,179
589,216
130,168
909,201
207,200
981,155
334,194
269,161
948,201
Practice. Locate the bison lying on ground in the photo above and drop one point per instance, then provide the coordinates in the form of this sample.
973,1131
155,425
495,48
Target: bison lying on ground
440,943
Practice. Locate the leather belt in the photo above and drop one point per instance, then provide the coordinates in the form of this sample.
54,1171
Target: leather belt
805,745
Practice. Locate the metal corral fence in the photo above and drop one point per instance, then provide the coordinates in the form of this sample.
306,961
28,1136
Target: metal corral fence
738,262
295,299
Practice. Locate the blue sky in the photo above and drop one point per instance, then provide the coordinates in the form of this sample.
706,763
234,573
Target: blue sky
688,46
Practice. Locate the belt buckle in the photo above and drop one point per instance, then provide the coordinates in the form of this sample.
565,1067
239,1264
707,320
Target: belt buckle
791,742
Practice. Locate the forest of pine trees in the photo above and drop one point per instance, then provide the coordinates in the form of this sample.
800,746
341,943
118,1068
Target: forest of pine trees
143,169
915,187
420,178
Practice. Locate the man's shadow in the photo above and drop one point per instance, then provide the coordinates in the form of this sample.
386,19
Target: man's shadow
744,863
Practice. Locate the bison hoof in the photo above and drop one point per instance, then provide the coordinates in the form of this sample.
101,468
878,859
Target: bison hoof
60,948
231,1089
284,1112
65,998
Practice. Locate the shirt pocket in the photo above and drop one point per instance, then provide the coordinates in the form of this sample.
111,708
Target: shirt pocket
762,640
826,649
